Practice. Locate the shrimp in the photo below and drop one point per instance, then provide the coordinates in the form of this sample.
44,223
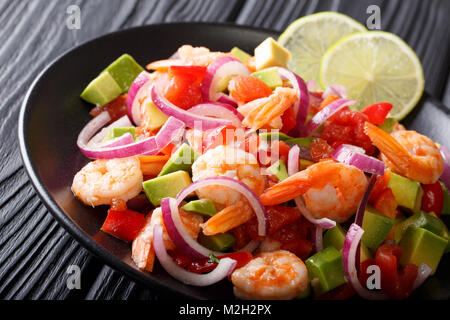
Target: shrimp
188,55
408,153
235,163
266,112
330,190
271,275
143,252
101,181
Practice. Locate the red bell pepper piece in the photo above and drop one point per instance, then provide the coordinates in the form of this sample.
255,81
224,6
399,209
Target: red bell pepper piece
377,112
433,198
124,225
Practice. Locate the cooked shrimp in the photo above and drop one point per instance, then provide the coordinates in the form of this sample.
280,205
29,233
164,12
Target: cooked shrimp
189,56
266,112
330,190
101,181
408,153
272,275
234,163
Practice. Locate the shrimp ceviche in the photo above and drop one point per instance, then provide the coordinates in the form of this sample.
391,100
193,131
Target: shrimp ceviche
223,166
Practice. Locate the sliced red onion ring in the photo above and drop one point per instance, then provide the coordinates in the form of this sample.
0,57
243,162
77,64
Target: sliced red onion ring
422,274
349,260
188,118
223,269
97,140
218,111
356,156
445,177
365,199
172,129
218,70
311,85
336,90
324,114
123,140
223,98
251,246
139,90
293,158
238,186
318,239
302,104
324,223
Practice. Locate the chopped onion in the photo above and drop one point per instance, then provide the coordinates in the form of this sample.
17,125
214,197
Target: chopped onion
311,85
349,260
218,111
445,177
302,104
220,69
251,246
238,186
293,158
123,140
324,223
423,273
356,156
139,90
318,239
336,90
324,114
223,269
191,120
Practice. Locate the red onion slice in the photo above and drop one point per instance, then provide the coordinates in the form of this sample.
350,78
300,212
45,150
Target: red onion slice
445,177
351,245
223,98
293,158
318,239
218,70
139,90
223,269
311,85
324,114
97,140
238,186
302,104
354,156
336,90
218,111
251,246
123,140
423,273
191,120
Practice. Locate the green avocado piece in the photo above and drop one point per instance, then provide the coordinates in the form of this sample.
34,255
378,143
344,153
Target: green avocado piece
335,237
166,186
124,70
120,131
388,125
325,270
419,220
304,142
279,169
219,242
408,193
240,54
446,206
222,86
181,159
422,246
156,117
269,76
274,135
271,54
101,90
376,227
203,206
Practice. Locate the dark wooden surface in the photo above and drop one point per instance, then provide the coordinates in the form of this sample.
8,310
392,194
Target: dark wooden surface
34,250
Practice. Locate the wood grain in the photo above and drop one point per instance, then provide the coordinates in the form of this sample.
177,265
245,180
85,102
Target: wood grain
34,250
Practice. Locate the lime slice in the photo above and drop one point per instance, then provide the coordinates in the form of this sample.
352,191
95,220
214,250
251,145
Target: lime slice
375,67
308,39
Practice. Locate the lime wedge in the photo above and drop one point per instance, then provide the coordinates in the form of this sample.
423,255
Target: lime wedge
308,39
375,67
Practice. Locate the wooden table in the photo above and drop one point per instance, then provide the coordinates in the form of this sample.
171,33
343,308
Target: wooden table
34,250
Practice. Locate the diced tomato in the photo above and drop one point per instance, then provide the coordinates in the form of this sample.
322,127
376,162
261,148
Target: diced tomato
380,184
342,292
300,247
205,265
289,121
124,225
433,198
247,88
363,276
386,203
377,112
116,108
320,149
180,259
293,237
397,284
198,71
118,205
241,237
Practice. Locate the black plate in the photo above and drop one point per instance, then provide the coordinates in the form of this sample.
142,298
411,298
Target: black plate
52,115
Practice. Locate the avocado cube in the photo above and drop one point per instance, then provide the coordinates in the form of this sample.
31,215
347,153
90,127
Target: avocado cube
376,227
166,186
335,237
203,206
271,54
325,270
305,164
156,117
124,70
446,206
422,246
419,220
279,170
407,192
102,90
269,76
388,125
240,54
120,131
304,142
181,159
272,136
219,242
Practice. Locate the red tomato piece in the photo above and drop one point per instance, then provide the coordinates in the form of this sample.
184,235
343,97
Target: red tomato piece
124,225
386,203
377,112
247,88
180,259
205,265
433,198
320,149
289,120
116,108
